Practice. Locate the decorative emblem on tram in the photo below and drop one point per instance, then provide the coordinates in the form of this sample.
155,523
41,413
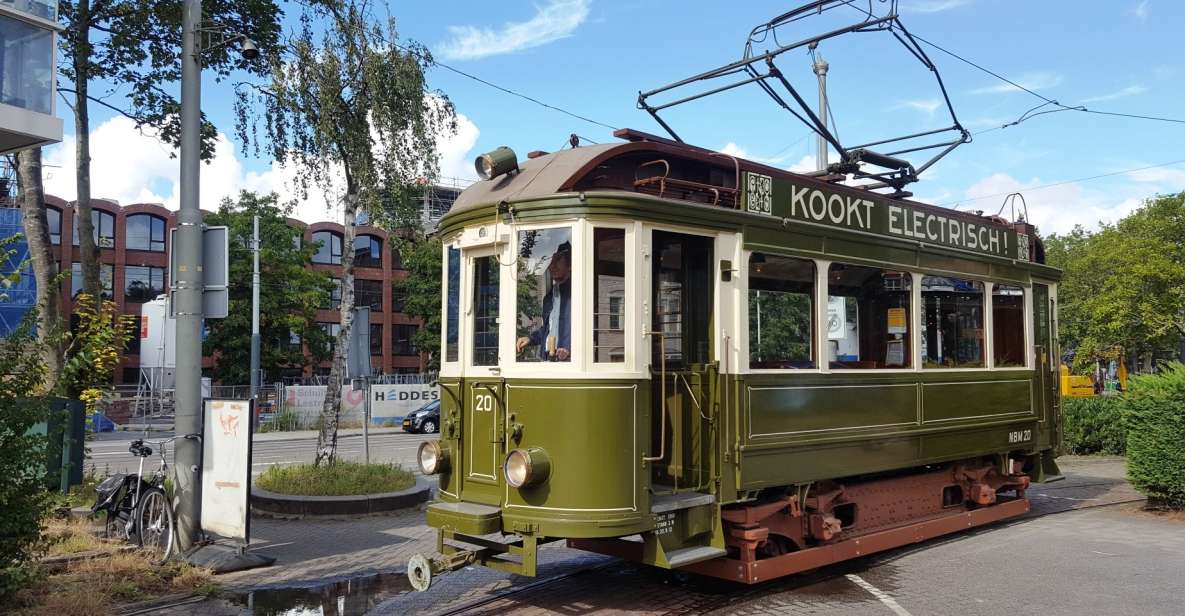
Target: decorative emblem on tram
759,193
1022,247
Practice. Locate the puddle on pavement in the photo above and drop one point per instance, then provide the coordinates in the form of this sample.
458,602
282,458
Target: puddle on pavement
340,598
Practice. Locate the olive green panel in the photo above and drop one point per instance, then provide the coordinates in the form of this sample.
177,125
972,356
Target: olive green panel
481,444
800,464
945,263
450,436
779,411
591,435
977,400
758,238
971,443
837,248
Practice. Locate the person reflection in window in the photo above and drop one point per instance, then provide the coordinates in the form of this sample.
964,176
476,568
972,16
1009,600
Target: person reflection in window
553,335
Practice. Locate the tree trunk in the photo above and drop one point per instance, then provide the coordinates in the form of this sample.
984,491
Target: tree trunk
88,252
49,309
331,409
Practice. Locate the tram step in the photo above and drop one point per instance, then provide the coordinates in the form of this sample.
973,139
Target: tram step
699,553
680,500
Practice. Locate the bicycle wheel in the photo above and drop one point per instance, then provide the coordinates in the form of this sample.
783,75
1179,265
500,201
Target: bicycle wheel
154,524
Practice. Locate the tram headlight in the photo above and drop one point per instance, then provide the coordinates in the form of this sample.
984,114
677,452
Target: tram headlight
526,467
433,457
493,164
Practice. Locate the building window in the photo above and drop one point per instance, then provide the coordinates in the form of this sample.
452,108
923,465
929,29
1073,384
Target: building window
53,219
609,291
398,299
1008,326
368,293
952,323
329,248
485,311
368,251
331,331
396,257
781,312
132,346
143,284
26,62
106,276
544,321
145,232
403,339
295,344
868,317
335,296
376,338
452,305
104,232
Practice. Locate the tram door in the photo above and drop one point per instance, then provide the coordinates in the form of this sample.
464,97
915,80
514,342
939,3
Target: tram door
681,300
484,412
1046,361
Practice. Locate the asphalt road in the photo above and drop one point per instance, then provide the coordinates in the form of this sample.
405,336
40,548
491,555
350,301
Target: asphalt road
109,451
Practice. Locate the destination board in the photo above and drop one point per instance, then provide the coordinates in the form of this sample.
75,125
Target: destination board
872,213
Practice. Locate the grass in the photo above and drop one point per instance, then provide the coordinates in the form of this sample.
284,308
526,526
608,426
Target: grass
97,586
340,479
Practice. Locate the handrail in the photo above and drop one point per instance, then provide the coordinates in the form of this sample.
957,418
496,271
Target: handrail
679,376
662,430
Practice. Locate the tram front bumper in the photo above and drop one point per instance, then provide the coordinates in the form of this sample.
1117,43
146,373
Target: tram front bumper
467,518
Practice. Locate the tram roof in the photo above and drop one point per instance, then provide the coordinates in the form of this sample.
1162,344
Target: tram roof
537,177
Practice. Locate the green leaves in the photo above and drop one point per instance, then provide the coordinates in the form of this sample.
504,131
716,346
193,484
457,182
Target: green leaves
421,292
290,293
1123,285
1154,418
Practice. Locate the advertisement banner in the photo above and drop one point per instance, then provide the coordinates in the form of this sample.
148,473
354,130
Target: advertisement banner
226,468
388,403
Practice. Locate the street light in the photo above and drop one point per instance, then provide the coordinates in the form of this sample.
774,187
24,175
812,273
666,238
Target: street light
189,283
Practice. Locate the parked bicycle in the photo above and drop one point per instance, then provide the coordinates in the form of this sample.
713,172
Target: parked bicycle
137,507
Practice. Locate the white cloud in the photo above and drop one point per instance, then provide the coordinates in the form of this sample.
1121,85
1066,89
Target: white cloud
927,105
1033,81
130,167
1124,93
1141,11
806,163
556,20
1170,179
932,6
1053,209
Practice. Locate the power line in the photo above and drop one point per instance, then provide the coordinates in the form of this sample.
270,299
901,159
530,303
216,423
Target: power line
1064,182
506,90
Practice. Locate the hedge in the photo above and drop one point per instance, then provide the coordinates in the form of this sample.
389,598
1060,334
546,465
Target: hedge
1093,425
1154,418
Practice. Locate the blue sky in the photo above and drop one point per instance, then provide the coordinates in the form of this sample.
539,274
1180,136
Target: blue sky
593,56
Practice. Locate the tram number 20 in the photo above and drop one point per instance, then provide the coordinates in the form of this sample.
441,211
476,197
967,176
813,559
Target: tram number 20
483,402
1020,436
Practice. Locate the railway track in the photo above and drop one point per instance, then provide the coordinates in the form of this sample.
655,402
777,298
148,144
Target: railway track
697,600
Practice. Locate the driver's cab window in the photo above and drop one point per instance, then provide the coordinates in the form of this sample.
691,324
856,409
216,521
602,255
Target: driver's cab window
543,294
485,311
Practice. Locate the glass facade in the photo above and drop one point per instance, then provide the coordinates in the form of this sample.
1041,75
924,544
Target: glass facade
26,62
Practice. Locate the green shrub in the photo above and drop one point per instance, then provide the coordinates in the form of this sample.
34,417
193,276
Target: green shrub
1154,417
1093,425
338,479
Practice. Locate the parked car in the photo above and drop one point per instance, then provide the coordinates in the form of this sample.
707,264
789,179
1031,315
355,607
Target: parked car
424,420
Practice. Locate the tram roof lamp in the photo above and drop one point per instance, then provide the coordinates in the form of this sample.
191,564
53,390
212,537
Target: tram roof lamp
493,164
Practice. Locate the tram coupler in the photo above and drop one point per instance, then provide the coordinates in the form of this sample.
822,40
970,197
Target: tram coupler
421,569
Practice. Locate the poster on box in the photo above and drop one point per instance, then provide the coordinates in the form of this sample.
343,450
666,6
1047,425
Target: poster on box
226,468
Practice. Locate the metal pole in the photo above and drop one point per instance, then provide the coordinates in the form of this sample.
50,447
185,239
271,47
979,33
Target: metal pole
187,294
820,67
255,312
366,424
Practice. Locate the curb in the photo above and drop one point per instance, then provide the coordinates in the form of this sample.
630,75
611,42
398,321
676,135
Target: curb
286,506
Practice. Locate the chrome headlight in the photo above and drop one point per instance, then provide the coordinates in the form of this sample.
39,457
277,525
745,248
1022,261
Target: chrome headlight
433,457
526,467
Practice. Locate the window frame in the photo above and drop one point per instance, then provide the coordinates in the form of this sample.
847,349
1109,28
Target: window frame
98,214
54,230
1027,323
743,314
823,269
509,327
454,366
376,255
152,220
340,243
128,298
630,315
984,306
467,330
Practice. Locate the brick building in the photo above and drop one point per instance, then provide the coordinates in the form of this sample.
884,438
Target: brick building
134,269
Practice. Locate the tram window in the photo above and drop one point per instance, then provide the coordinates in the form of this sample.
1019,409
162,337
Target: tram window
1008,325
544,295
609,295
781,310
952,323
485,311
868,317
453,305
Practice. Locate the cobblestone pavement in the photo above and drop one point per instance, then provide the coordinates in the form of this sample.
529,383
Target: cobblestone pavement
1058,562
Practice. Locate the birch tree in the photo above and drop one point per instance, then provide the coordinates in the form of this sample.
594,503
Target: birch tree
49,302
348,110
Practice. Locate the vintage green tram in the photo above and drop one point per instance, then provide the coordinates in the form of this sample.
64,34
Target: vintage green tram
673,355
